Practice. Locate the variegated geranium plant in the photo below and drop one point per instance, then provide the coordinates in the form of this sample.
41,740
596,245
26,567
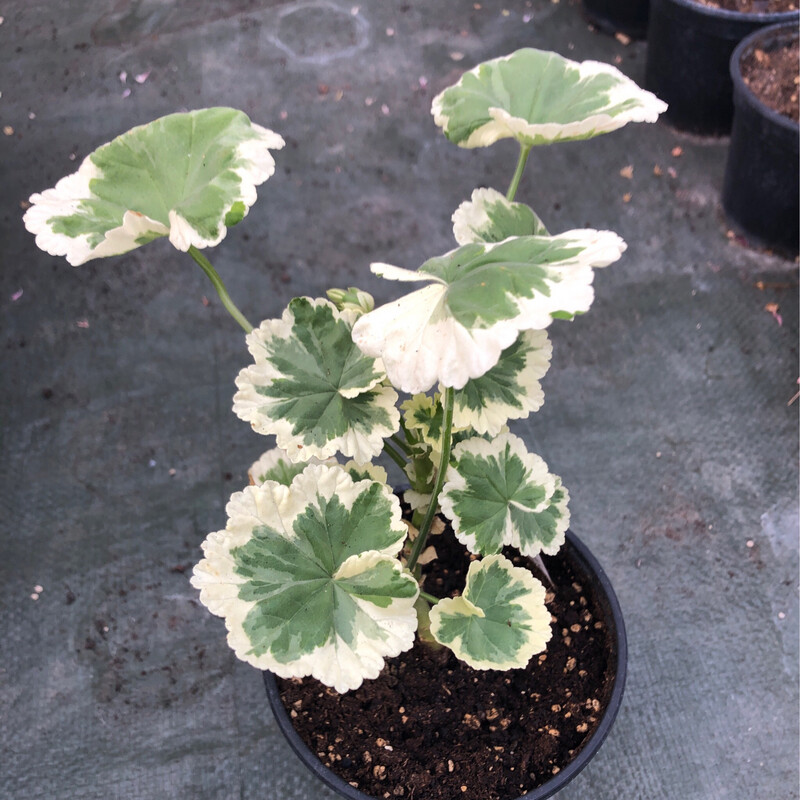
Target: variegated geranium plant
317,571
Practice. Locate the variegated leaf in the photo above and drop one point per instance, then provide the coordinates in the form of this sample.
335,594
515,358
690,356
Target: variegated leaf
366,472
497,494
480,297
188,176
500,620
307,579
425,416
538,97
509,390
313,388
275,465
489,217
418,501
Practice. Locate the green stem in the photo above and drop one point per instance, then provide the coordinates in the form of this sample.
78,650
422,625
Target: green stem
524,150
205,265
429,597
394,455
400,443
410,437
447,440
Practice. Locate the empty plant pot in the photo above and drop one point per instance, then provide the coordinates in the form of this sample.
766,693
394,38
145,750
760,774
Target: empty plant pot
760,193
689,46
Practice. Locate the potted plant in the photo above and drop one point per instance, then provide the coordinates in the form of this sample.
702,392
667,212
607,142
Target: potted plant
324,578
689,45
760,193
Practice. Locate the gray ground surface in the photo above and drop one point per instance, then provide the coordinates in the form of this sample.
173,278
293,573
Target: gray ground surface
666,411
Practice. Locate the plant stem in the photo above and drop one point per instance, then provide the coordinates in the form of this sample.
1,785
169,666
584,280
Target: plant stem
540,564
447,440
524,150
429,597
205,265
400,443
410,437
394,455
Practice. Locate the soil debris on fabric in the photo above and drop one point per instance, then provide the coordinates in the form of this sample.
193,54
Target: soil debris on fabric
430,725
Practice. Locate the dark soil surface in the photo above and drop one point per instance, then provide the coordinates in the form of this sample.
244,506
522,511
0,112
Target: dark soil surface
432,728
773,76
752,6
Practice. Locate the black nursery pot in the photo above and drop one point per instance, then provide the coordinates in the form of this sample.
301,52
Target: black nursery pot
761,189
689,46
592,573
619,16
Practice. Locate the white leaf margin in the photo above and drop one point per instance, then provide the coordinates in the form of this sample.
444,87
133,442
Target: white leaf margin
272,458
417,500
538,634
491,418
504,125
473,215
250,406
537,472
65,198
425,405
561,525
343,667
374,472
422,344
335,664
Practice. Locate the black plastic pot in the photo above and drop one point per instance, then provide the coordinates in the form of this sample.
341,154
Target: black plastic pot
761,189
619,16
593,574
689,46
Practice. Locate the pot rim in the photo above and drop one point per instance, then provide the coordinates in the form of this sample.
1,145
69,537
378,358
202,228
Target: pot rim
742,90
736,16
606,597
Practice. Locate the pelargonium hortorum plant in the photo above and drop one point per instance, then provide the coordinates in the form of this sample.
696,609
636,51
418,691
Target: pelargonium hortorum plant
317,571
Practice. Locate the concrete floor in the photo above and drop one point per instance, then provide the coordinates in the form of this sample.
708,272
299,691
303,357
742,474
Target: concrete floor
666,411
